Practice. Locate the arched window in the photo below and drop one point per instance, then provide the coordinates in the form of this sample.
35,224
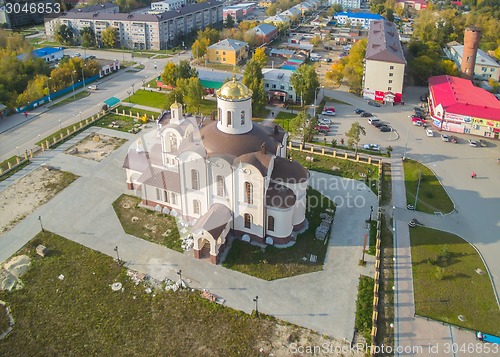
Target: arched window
173,142
248,220
220,114
242,116
270,223
229,119
196,207
248,192
220,186
195,180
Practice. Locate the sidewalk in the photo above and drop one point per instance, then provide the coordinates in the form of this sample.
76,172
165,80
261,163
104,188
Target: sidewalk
412,335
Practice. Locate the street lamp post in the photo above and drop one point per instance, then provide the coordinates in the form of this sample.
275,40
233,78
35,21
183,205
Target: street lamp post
371,211
133,88
128,92
17,148
117,255
48,88
180,277
41,225
315,99
418,189
80,115
83,75
60,125
256,300
73,84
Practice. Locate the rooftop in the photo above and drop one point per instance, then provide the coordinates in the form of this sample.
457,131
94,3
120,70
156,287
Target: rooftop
44,51
94,8
228,44
481,58
360,15
460,96
383,43
264,28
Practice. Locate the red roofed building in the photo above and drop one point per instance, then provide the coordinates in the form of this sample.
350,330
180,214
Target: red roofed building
458,106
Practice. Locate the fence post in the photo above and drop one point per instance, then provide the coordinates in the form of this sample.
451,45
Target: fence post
322,151
55,140
8,165
312,149
81,124
334,153
357,157
62,136
300,146
123,111
47,144
17,160
31,153
369,160
345,155
26,155
74,128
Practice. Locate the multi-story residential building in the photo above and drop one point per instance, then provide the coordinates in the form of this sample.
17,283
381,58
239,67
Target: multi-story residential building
355,19
412,4
384,64
228,51
485,68
142,31
346,4
13,15
168,5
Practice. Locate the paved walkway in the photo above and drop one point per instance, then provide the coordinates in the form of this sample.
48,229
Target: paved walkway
417,336
323,301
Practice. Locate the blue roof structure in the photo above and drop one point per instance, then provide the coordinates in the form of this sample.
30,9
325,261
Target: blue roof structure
44,51
361,15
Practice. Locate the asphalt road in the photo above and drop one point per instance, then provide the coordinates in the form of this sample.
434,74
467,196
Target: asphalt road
477,201
44,121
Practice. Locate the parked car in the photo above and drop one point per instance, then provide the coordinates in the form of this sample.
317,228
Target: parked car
373,120
445,138
373,103
358,111
366,114
473,143
373,147
420,116
483,143
322,128
327,59
324,121
429,132
328,111
378,124
385,128
93,87
417,110
453,139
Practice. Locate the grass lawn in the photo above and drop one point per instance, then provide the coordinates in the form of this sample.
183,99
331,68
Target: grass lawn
276,263
152,226
12,172
135,111
446,283
386,184
82,316
372,242
77,96
364,306
4,165
4,320
260,114
333,100
335,166
283,119
150,99
152,84
208,106
432,197
126,123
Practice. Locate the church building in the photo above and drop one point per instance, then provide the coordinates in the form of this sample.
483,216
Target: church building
225,177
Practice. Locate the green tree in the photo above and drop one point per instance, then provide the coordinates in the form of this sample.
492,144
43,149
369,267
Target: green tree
354,68
168,76
184,70
254,80
354,135
109,37
302,126
332,10
449,68
305,81
199,47
260,56
336,72
389,15
271,9
316,41
212,35
87,37
35,89
229,22
64,35
192,93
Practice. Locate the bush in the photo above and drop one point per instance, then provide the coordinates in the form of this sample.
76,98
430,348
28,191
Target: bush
364,306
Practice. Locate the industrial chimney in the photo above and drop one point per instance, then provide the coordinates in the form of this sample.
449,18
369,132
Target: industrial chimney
472,36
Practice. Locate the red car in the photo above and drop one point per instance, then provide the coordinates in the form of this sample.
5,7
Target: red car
322,128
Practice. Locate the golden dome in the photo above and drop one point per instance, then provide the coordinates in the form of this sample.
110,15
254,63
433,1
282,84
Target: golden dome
234,90
176,105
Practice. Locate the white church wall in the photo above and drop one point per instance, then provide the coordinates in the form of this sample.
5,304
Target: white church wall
283,225
299,211
248,173
188,162
235,107
220,167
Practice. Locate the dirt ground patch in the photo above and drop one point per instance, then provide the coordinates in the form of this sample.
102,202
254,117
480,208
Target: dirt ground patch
96,147
30,192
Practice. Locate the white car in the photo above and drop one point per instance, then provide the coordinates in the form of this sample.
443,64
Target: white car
373,120
429,132
93,87
325,121
373,147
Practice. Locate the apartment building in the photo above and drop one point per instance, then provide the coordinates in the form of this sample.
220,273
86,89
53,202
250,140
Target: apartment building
346,4
384,64
168,5
354,19
228,51
142,31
